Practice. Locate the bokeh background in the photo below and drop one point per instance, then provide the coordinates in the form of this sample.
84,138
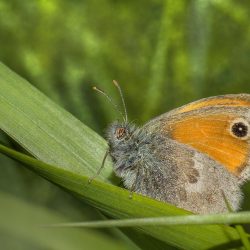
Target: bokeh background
163,54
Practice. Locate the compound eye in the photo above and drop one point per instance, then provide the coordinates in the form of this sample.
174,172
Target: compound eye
240,129
120,133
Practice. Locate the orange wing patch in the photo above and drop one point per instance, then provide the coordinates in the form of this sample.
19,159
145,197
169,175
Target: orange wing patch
211,135
214,102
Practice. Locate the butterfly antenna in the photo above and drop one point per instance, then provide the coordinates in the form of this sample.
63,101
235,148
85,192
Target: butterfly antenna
111,101
123,101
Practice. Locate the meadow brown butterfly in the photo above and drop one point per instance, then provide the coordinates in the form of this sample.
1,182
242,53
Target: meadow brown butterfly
195,157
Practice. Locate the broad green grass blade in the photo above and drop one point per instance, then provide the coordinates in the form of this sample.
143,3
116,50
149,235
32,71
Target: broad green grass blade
75,152
23,220
115,202
48,132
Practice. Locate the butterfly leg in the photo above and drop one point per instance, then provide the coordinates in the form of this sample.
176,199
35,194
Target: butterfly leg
100,169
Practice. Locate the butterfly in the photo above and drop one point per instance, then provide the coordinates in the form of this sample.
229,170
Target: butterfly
195,157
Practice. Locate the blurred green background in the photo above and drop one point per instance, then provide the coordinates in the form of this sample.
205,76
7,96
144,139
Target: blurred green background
163,54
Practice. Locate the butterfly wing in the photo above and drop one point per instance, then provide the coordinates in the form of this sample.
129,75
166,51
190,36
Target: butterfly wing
173,172
217,127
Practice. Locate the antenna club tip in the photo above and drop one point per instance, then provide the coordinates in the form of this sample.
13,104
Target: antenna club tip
115,82
94,88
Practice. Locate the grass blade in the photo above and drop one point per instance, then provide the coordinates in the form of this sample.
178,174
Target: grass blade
228,218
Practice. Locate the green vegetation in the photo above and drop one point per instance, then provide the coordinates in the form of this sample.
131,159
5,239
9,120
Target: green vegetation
163,53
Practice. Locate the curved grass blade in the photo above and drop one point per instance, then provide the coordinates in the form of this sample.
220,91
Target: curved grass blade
227,218
47,131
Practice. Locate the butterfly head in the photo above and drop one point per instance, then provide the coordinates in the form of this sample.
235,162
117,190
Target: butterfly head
119,133
123,141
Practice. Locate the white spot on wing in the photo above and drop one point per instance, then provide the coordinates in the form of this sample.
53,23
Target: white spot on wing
199,166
